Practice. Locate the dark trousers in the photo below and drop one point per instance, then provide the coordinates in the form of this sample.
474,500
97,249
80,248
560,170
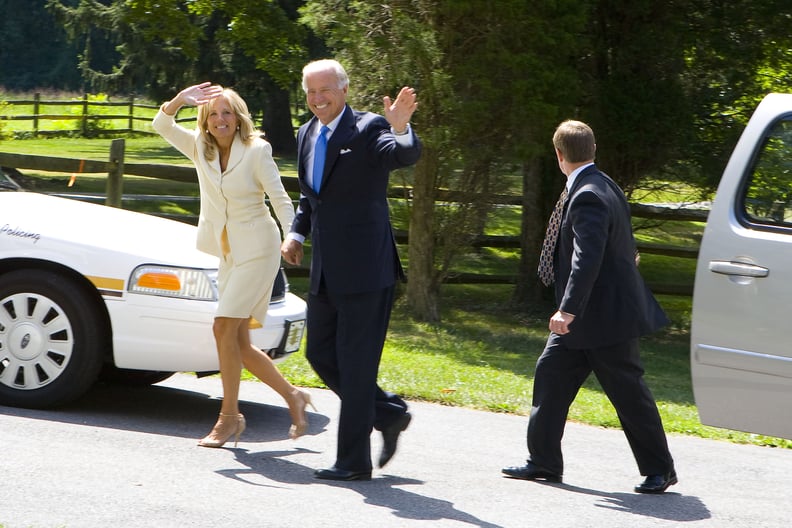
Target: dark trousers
559,374
346,334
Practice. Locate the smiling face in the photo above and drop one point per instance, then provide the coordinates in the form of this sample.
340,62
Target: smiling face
325,99
221,120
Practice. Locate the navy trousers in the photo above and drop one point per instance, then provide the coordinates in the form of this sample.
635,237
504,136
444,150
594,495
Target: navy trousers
346,333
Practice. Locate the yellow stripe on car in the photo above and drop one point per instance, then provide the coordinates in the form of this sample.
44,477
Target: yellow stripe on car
107,283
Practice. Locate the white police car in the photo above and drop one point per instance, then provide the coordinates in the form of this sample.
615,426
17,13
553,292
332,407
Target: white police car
88,291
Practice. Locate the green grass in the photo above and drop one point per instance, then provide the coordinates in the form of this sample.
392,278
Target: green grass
101,108
139,149
483,353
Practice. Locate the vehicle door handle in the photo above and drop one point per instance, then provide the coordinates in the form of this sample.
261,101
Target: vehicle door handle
742,269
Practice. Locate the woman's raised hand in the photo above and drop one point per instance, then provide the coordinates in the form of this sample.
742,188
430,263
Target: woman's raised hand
199,94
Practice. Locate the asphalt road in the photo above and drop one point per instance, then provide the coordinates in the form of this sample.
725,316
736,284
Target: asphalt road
128,458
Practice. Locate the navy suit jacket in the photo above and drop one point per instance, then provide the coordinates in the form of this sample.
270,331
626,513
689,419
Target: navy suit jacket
352,241
596,278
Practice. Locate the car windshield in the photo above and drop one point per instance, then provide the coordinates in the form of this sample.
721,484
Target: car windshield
6,183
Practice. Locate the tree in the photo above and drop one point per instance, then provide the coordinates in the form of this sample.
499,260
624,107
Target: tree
384,47
636,105
164,45
150,38
736,53
50,62
492,77
666,87
674,83
266,32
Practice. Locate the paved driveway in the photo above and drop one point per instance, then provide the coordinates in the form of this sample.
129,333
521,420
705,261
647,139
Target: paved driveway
128,458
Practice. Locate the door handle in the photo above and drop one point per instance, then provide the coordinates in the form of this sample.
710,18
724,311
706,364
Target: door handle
726,267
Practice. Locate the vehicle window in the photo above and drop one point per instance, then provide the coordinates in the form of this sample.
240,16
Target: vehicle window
768,194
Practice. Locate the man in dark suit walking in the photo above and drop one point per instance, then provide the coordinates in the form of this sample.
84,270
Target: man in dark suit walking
345,157
603,308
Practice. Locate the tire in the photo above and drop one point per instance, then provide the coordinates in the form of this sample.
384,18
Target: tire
53,339
132,378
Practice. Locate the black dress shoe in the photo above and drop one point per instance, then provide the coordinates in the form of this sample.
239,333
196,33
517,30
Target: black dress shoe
531,471
390,437
657,483
335,473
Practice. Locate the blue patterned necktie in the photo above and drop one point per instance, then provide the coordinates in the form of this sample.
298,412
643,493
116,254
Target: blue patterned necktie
545,270
320,151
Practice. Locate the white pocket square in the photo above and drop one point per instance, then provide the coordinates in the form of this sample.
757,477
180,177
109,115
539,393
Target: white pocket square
345,151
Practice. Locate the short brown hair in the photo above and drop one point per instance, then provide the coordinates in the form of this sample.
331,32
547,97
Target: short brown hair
575,140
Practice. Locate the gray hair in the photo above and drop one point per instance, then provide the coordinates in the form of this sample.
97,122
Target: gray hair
326,65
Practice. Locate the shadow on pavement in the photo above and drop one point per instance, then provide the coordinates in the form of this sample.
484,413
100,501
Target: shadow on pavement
669,506
167,411
267,467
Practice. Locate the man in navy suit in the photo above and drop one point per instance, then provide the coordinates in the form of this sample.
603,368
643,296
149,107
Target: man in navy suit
354,264
603,308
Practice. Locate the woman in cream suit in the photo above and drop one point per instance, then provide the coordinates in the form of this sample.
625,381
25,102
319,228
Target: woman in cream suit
235,171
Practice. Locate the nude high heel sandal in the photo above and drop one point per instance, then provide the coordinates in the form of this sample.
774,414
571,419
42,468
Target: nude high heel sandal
227,425
301,400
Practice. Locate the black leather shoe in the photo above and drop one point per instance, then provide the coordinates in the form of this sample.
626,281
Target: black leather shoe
531,471
390,437
335,473
657,483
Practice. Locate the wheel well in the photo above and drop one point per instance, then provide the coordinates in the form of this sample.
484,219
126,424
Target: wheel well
84,284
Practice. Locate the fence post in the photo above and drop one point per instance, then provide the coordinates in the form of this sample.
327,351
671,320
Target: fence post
85,116
131,111
115,182
36,99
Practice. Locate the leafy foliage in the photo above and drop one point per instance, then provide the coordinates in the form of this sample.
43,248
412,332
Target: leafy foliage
736,52
52,61
667,86
491,78
769,190
636,104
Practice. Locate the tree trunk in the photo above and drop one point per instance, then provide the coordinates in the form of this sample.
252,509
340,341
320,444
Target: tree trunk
532,230
422,287
277,122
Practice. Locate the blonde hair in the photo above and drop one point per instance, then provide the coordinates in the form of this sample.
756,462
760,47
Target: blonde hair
246,129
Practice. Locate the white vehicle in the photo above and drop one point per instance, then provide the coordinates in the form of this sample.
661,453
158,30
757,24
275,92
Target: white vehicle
741,351
89,291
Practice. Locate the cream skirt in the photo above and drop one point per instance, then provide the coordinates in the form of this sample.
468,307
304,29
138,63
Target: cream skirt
245,289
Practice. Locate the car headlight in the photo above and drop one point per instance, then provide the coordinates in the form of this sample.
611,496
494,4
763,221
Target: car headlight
184,283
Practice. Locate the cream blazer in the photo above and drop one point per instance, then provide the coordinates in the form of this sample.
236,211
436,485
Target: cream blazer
234,199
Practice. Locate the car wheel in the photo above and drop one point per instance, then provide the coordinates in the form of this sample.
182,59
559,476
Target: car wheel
133,378
52,339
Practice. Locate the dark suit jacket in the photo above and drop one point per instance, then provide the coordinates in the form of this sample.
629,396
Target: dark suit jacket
352,242
596,278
